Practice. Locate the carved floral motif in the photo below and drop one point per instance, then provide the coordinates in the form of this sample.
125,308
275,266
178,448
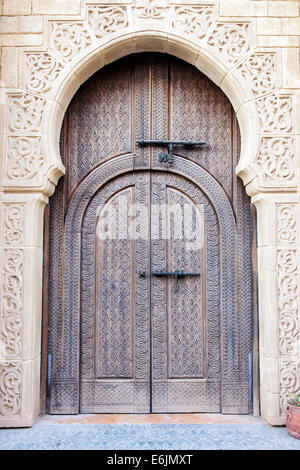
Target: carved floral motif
13,224
289,381
231,40
10,388
276,159
275,112
286,224
42,71
69,39
287,290
259,71
25,113
194,21
150,9
107,19
25,157
12,303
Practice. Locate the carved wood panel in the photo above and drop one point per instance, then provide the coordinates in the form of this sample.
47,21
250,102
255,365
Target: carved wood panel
115,320
124,343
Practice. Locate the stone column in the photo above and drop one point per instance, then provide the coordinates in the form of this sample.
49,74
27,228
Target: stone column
21,303
278,281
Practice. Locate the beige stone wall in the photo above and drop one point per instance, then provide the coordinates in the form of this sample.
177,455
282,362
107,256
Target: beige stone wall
250,48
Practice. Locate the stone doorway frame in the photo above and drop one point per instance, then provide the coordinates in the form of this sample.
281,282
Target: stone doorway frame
38,83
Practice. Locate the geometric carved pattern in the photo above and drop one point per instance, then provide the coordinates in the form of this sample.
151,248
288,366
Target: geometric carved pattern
69,39
259,70
97,131
25,113
42,71
10,388
13,224
106,19
12,303
200,111
276,159
117,309
231,40
275,112
286,224
25,157
193,21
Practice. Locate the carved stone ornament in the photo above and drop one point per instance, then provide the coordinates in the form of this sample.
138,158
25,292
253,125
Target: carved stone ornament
231,40
276,160
69,39
259,71
289,334
12,303
25,113
287,289
42,71
289,381
106,19
150,9
194,21
25,157
275,112
286,224
13,224
10,388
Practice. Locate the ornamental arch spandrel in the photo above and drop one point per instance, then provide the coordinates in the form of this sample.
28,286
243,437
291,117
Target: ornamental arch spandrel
250,50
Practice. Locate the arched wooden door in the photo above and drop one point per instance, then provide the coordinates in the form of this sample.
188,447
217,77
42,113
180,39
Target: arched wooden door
125,334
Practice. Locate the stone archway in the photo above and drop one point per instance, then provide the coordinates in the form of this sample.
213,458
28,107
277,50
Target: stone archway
265,100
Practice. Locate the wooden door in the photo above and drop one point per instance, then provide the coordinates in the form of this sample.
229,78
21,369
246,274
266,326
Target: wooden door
122,338
148,333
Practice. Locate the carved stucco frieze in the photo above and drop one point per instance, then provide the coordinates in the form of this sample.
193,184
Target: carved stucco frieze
24,158
10,387
12,303
275,113
193,21
289,381
287,290
13,224
12,282
287,300
259,70
231,40
286,223
105,20
42,69
151,9
276,160
68,39
25,112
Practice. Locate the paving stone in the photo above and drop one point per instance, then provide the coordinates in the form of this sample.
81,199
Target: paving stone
148,436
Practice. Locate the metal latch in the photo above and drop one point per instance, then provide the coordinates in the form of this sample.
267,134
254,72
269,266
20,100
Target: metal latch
176,274
168,157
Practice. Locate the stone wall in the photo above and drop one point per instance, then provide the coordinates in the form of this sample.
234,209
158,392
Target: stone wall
250,48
